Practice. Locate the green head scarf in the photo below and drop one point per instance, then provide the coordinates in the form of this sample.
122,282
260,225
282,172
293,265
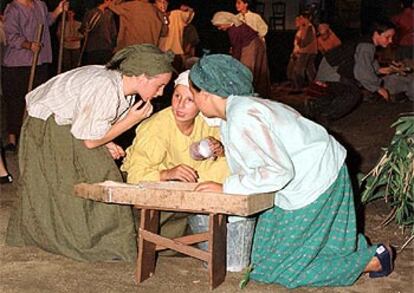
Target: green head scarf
143,58
222,75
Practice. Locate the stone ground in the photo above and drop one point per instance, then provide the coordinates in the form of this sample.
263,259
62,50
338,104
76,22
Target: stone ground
363,133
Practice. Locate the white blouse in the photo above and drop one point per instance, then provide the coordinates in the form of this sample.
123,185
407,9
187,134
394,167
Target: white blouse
270,147
90,98
255,21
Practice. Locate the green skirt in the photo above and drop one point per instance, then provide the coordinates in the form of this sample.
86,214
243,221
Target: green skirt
49,216
317,245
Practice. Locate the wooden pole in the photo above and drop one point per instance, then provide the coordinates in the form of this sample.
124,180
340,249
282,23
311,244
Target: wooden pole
85,41
61,43
39,34
88,28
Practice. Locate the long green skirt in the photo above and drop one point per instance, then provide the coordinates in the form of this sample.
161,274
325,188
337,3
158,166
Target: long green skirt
49,216
317,245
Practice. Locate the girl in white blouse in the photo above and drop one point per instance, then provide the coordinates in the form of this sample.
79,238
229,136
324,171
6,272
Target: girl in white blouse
67,139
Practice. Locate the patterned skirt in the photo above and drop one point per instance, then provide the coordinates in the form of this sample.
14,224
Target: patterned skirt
49,216
317,245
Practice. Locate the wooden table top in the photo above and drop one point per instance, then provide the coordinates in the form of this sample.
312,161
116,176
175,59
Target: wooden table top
175,196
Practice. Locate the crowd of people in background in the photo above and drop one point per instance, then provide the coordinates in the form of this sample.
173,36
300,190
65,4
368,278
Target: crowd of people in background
122,55
113,25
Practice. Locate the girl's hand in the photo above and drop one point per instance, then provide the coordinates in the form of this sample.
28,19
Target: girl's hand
209,186
35,47
62,6
180,172
216,147
385,70
136,115
115,150
384,94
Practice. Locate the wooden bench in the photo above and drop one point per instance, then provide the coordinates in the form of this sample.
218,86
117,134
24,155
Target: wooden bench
153,197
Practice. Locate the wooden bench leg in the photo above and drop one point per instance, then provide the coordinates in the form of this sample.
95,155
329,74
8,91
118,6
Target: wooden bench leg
217,250
146,250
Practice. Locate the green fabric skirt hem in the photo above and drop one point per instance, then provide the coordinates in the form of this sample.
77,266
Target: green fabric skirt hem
49,216
315,246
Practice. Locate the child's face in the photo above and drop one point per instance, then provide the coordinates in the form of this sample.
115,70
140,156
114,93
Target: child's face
298,21
71,14
323,29
385,38
200,100
161,5
153,86
183,105
241,6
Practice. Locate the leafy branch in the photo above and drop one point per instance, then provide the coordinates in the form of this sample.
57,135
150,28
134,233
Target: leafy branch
393,176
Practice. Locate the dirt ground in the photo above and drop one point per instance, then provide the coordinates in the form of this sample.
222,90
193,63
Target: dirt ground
364,133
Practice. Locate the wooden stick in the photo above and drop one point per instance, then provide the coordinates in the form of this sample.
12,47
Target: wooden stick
39,34
61,43
85,41
93,21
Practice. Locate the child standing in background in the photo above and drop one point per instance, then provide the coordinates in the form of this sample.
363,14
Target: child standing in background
254,20
72,41
302,60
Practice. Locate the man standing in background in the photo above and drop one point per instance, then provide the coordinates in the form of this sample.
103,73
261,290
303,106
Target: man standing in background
139,22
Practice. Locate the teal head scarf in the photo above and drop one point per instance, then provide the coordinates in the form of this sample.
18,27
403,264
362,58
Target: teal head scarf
143,58
222,75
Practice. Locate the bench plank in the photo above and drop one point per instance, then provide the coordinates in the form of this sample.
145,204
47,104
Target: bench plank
175,196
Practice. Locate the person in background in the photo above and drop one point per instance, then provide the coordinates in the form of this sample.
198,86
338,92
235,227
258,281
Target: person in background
140,22
369,73
5,176
346,69
404,22
99,24
161,151
329,100
309,237
254,20
178,19
326,39
301,66
67,138
247,47
21,21
72,41
191,40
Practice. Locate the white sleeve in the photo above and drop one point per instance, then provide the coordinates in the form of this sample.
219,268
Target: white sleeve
261,26
96,109
264,165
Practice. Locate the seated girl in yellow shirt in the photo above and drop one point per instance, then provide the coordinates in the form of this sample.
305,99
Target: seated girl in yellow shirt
160,150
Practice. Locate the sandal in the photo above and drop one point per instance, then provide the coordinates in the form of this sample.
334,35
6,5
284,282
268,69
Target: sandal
6,179
386,258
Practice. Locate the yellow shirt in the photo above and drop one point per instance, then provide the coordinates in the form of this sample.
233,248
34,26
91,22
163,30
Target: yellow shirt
160,145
